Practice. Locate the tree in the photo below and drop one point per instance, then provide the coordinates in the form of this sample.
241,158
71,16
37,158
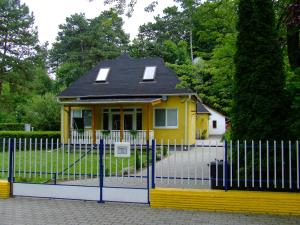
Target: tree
152,36
293,34
176,54
42,112
217,91
18,40
82,43
256,112
213,20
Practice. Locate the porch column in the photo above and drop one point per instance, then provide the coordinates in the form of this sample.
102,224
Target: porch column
148,123
121,124
94,124
69,123
62,124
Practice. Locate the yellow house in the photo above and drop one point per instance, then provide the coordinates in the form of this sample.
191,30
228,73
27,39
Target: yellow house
202,121
129,99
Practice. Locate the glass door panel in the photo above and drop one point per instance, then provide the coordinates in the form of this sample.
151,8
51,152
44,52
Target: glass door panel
116,121
128,122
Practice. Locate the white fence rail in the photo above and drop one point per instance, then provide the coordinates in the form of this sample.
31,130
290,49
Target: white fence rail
134,137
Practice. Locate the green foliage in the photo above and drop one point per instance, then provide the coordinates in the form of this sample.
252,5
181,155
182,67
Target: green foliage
217,91
213,20
154,38
82,43
191,76
138,162
18,39
12,126
203,134
257,113
34,134
42,112
293,86
173,53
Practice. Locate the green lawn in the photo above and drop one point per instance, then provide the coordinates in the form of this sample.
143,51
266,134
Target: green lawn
41,166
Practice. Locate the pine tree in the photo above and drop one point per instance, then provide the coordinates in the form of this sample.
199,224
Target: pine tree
259,102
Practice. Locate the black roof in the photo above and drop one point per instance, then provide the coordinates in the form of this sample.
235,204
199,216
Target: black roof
201,108
125,78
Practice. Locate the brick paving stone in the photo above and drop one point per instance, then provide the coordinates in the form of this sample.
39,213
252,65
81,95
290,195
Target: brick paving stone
34,211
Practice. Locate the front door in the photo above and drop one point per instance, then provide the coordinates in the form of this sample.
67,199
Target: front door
116,118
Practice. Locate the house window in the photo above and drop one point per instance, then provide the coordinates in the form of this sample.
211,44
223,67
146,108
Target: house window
149,73
81,119
102,74
105,120
77,113
87,118
166,118
214,124
139,119
133,119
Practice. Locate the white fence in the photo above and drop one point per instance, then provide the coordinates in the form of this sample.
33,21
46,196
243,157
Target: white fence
134,137
262,165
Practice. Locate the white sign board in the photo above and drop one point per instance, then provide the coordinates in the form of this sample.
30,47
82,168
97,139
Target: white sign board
122,149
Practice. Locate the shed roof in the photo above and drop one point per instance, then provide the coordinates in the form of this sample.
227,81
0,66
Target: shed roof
201,108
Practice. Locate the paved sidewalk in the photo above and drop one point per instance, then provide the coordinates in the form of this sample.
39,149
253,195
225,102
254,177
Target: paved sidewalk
30,211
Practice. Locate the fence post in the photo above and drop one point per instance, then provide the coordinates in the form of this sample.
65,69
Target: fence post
226,167
11,165
101,171
54,178
148,172
153,163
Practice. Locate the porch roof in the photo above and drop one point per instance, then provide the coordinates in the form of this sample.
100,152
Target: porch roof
111,101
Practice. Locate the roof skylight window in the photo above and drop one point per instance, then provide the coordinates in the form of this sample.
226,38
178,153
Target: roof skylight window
102,74
149,73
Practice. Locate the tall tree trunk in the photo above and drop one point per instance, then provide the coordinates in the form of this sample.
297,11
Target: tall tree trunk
191,44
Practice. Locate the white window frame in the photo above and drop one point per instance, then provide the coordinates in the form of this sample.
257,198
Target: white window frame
154,73
76,110
81,113
106,75
88,127
166,118
110,113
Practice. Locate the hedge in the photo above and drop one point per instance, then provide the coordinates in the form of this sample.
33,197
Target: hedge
12,126
26,134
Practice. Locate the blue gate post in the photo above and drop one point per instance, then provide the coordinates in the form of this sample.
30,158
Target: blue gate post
226,167
11,165
101,171
148,172
153,164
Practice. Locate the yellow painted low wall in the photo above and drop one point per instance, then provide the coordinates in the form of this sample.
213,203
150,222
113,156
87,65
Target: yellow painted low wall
231,201
4,189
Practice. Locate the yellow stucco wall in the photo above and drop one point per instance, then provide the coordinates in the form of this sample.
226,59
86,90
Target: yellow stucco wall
4,189
180,134
281,203
202,123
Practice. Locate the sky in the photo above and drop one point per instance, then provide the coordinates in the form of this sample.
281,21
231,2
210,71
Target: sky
50,13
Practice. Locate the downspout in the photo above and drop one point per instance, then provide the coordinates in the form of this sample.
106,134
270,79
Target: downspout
186,135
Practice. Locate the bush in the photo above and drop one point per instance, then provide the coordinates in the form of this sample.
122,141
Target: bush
34,134
42,112
12,126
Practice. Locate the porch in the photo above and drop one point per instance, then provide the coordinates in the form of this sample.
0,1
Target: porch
138,137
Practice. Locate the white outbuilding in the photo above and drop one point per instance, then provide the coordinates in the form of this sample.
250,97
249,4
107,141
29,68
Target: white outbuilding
217,122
